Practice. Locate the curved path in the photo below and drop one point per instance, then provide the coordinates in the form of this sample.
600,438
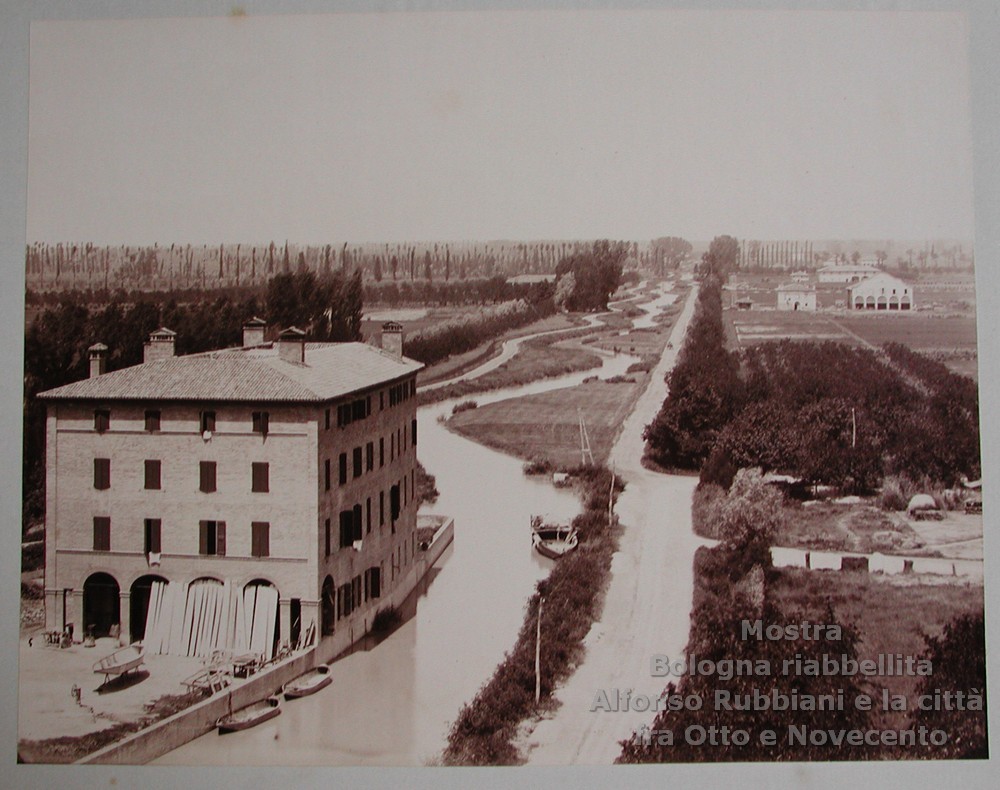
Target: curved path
648,602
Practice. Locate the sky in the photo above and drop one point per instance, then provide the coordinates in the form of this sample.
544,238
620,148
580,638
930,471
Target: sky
500,125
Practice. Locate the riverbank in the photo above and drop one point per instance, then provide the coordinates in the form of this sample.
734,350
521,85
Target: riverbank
570,598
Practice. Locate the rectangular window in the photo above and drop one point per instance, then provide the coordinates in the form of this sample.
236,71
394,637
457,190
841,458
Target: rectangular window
152,420
102,533
326,473
102,420
328,536
358,409
369,456
392,446
261,421
261,474
260,539
358,466
152,475
102,473
207,476
394,502
358,526
368,516
212,538
375,582
343,468
346,528
368,405
381,452
413,432
381,508
328,419
207,421
151,535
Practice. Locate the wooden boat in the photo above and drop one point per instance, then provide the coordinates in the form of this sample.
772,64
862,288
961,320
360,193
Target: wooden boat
309,683
249,716
552,540
120,662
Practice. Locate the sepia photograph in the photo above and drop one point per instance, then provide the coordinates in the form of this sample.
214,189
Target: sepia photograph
464,386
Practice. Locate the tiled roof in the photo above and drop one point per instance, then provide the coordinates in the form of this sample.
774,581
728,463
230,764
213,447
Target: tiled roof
331,370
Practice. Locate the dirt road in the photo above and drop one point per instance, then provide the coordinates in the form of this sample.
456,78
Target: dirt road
648,603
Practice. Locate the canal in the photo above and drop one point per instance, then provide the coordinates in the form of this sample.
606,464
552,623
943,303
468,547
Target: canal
392,703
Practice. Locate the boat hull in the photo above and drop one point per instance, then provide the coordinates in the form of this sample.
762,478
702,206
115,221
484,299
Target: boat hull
248,717
307,684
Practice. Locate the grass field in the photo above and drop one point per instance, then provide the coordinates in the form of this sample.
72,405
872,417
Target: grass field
545,426
892,614
919,331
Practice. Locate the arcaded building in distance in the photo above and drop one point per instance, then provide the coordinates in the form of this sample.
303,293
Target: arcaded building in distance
233,499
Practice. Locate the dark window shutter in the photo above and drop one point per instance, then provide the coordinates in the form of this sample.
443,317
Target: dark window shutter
102,533
370,456
327,419
357,462
102,473
260,538
343,468
326,473
153,420
207,421
413,432
207,470
260,422
381,508
381,451
356,597
220,538
357,523
153,535
260,473
376,582
394,502
102,420
152,475
203,537
368,516
346,528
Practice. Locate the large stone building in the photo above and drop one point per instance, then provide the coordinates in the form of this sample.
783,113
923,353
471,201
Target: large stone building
846,272
881,292
233,499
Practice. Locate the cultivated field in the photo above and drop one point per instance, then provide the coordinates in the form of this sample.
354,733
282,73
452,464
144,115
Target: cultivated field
545,426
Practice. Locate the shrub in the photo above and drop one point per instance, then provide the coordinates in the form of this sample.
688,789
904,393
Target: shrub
539,466
465,405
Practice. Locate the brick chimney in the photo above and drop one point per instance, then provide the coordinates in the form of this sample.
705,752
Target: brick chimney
159,346
392,338
253,331
98,354
292,345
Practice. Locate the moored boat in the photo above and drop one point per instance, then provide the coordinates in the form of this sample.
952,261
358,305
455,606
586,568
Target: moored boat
121,661
552,540
249,716
309,683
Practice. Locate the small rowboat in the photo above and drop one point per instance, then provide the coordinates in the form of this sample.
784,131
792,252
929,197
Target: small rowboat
249,716
120,662
552,540
309,683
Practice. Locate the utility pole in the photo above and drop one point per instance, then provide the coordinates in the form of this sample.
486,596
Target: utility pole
854,430
538,652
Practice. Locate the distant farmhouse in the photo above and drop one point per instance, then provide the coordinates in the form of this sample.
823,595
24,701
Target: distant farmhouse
796,296
881,292
846,272
531,279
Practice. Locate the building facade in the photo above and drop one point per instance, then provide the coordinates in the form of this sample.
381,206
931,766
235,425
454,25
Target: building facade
796,296
846,272
881,292
235,499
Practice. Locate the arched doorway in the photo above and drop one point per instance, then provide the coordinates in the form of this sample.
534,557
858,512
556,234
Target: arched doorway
328,606
870,303
139,605
882,304
260,601
100,604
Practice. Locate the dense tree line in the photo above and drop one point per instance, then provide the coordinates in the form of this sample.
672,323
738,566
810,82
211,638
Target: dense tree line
464,334
328,308
461,292
825,412
586,279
